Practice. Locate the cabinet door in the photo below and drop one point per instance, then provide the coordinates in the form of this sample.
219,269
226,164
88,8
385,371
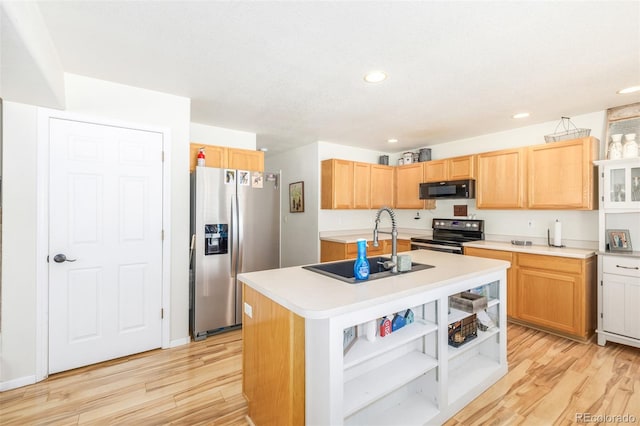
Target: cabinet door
562,175
403,245
362,185
436,171
462,167
622,184
620,301
550,299
245,159
214,156
381,186
337,184
500,183
512,289
408,179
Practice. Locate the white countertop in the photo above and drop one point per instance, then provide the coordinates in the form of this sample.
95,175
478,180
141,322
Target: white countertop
577,253
315,296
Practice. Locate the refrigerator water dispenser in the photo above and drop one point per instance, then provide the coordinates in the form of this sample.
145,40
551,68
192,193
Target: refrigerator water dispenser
215,239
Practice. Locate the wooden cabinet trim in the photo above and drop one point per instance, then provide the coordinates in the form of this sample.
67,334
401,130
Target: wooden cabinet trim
551,263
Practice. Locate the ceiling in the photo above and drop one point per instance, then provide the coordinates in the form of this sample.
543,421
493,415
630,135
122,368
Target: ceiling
292,72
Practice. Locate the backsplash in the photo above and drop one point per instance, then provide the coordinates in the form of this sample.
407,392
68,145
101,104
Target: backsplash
579,228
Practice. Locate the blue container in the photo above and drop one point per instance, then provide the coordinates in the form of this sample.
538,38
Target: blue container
361,265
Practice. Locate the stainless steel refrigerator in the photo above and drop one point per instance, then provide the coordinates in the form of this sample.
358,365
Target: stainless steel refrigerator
235,227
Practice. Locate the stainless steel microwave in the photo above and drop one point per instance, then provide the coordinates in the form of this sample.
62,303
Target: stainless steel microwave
449,189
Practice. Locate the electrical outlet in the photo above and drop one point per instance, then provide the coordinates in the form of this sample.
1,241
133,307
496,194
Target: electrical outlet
530,223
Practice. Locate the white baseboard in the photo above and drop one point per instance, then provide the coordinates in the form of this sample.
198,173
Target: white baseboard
17,383
179,342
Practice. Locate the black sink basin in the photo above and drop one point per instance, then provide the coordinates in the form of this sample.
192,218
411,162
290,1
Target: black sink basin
344,270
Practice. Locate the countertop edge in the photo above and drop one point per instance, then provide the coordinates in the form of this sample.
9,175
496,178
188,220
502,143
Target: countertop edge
575,253
291,287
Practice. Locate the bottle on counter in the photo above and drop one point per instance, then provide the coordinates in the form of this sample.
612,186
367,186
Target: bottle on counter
361,265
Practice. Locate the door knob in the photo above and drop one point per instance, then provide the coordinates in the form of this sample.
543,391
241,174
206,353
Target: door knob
59,258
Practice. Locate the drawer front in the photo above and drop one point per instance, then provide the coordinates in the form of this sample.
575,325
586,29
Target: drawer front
551,263
621,265
352,249
489,254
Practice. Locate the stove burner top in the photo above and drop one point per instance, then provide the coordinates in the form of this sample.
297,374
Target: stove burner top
449,234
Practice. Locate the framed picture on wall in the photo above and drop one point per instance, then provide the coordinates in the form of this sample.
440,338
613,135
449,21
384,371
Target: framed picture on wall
296,197
619,240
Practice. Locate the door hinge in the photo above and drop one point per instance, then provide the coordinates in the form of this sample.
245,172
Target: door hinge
161,313
600,283
601,315
162,235
163,156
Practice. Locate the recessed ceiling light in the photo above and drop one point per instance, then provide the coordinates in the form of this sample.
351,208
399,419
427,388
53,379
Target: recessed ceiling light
392,140
627,90
520,115
375,77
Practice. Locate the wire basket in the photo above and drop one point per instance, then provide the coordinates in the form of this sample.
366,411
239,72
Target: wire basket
570,132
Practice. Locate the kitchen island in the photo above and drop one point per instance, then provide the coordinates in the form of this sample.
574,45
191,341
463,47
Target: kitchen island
297,371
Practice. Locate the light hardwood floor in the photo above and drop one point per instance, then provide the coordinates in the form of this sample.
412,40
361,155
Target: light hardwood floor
550,380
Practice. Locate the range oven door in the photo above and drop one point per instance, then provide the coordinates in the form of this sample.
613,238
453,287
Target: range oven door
443,246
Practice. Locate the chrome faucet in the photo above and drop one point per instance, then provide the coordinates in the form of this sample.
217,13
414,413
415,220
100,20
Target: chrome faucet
393,264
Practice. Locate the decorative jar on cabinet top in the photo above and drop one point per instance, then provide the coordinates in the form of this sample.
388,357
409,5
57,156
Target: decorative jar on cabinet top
630,147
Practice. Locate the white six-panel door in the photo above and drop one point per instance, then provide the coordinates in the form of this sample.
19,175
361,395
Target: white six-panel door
105,212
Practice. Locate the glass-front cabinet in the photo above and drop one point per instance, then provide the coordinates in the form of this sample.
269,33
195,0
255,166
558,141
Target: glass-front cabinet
621,183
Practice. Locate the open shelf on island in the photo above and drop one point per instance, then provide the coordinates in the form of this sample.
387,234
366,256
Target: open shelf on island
363,349
482,337
416,410
477,369
369,387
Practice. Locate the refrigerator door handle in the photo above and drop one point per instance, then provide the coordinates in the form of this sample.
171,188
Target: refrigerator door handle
240,234
233,236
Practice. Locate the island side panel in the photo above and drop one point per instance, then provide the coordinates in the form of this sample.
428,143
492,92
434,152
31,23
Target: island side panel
273,356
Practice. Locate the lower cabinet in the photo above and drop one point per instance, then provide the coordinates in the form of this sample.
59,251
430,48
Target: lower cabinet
619,293
556,294
331,250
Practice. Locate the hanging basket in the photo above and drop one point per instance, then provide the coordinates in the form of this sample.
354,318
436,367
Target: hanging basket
570,131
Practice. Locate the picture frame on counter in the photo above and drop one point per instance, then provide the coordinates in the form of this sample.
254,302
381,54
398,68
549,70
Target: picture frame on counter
619,240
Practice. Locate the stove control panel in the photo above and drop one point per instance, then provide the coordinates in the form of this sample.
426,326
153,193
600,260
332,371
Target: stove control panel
459,224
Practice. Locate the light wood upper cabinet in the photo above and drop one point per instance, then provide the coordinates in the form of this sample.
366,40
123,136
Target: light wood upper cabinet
381,186
245,159
435,171
408,179
224,157
462,167
501,179
337,184
215,156
361,185
562,175
456,168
